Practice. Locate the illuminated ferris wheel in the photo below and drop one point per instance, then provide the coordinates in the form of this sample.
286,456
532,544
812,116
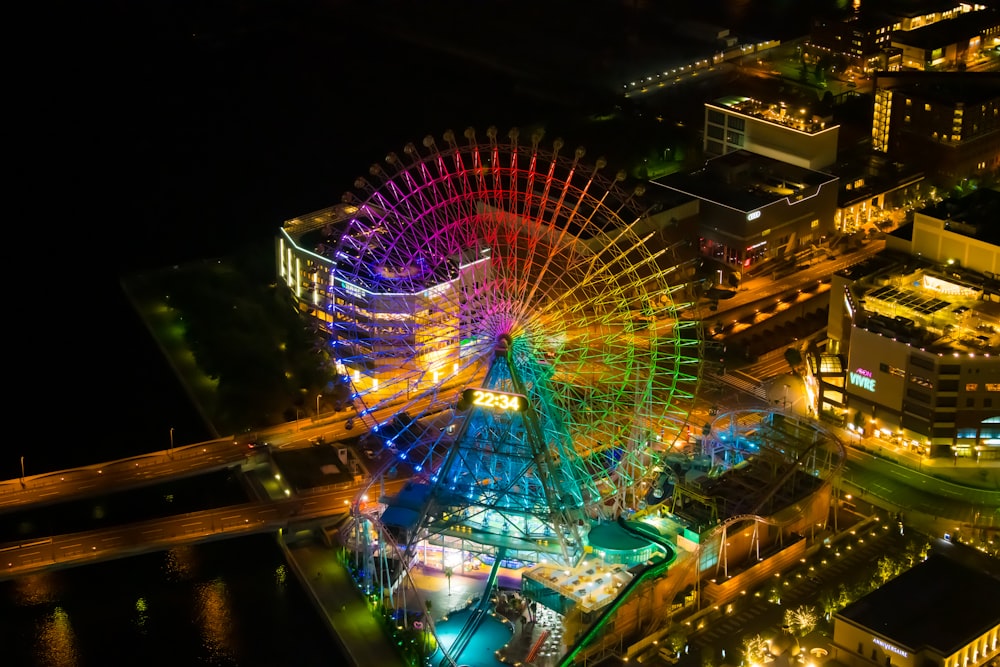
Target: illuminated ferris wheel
490,291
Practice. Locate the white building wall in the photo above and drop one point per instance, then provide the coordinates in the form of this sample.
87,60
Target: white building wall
933,241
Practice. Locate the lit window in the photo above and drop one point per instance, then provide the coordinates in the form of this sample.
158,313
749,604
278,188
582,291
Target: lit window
927,107
971,386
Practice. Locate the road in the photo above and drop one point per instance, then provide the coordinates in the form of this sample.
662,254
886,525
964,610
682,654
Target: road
269,515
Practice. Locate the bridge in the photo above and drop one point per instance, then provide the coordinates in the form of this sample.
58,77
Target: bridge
268,512
124,474
302,512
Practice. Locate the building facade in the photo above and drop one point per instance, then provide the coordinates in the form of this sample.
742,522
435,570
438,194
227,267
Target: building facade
356,309
753,208
951,44
773,129
920,333
947,123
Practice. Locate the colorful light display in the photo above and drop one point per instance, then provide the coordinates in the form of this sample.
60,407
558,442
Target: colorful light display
455,247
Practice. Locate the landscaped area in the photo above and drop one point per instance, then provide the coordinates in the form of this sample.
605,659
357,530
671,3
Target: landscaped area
231,332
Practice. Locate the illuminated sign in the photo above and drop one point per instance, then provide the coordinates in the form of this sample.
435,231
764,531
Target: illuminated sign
862,378
889,647
492,400
753,215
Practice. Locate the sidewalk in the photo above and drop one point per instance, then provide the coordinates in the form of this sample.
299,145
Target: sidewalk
341,606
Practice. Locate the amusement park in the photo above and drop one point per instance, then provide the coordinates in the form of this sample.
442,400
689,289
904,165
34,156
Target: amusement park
516,329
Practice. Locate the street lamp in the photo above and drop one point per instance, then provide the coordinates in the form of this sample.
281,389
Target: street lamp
318,396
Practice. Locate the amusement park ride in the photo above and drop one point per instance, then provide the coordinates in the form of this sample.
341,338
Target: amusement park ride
520,312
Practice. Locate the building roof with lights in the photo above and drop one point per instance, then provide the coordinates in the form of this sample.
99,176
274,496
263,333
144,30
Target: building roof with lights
939,605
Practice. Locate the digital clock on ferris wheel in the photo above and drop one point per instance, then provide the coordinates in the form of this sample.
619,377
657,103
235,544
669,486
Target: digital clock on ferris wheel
490,399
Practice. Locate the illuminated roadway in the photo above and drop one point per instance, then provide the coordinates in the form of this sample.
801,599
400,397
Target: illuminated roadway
158,467
157,534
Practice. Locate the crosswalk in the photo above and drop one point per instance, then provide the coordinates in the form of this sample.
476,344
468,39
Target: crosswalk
744,383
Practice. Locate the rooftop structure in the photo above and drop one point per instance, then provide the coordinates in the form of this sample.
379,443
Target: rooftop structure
753,208
775,129
942,612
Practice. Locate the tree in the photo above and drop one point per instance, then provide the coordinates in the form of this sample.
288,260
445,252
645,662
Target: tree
885,570
447,573
754,650
793,357
859,421
801,620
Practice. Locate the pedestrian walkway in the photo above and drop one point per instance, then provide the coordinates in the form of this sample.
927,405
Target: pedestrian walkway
341,605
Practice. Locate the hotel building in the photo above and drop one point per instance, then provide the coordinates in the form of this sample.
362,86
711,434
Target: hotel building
420,320
946,122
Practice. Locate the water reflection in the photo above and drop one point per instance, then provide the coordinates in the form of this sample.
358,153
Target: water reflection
214,612
56,641
180,563
141,619
35,589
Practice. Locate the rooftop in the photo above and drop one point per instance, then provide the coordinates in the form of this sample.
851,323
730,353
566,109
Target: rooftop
946,87
745,181
778,112
941,604
936,308
974,215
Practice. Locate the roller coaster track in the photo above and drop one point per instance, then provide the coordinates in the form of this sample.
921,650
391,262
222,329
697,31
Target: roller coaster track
650,573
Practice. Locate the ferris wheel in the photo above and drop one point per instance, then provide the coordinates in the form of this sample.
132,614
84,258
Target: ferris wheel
527,276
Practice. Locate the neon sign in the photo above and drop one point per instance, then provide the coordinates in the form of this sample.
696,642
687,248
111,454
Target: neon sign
862,378
889,647
753,215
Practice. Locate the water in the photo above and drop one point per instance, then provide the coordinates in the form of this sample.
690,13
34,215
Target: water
232,602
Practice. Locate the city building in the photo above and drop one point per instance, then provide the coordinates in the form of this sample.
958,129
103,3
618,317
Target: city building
919,327
389,309
774,129
862,39
947,123
753,208
942,612
950,44
873,189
